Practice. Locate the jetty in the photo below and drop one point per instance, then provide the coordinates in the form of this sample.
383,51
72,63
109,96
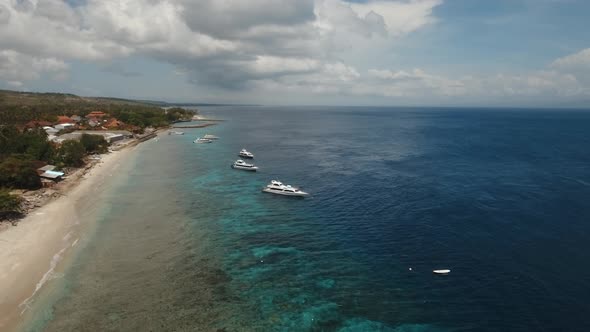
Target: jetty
201,118
201,125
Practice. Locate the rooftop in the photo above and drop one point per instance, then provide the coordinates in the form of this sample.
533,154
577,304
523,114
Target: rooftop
52,175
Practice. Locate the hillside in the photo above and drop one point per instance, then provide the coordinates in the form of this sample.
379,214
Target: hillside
18,108
13,98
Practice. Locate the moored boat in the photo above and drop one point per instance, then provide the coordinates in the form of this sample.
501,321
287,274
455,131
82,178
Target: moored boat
444,271
278,188
240,164
246,154
201,140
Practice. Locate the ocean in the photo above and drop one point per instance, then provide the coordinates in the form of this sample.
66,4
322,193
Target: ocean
184,243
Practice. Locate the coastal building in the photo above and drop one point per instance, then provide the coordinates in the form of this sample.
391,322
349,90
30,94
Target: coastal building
96,115
50,130
110,135
48,172
46,168
61,119
65,126
113,123
52,175
111,138
37,124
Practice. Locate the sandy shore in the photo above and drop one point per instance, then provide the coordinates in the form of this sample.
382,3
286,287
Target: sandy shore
31,251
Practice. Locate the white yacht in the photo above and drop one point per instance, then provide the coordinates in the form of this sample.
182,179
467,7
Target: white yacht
245,154
211,137
201,140
277,187
240,164
175,133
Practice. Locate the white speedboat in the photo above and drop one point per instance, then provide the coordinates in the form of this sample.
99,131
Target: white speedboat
277,187
211,137
175,133
445,271
245,154
240,164
201,140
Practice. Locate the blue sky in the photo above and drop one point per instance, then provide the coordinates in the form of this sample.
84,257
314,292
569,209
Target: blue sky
398,52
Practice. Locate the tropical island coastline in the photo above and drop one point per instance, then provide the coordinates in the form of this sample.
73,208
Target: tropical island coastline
46,138
57,152
30,252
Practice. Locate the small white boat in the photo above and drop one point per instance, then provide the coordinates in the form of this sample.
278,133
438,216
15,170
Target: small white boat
201,140
240,164
175,133
441,271
246,154
278,188
211,137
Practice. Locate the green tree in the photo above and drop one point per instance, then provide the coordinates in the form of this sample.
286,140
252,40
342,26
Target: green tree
31,142
18,171
71,153
94,143
10,205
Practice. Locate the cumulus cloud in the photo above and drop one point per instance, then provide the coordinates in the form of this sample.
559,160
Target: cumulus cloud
226,43
230,19
398,17
15,68
281,46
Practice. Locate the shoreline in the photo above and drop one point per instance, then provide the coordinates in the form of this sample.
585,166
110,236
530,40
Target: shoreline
31,251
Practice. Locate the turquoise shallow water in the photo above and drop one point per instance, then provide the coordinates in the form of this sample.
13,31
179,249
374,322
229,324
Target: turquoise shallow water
185,243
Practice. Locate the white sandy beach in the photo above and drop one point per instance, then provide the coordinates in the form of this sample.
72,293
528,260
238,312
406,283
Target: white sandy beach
31,251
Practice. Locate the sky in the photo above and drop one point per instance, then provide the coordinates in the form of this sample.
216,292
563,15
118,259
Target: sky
302,52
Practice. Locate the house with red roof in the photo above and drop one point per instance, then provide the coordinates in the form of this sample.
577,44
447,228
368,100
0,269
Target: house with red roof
113,123
96,115
61,119
37,124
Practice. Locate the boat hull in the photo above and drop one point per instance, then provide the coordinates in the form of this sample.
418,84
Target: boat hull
245,156
250,169
285,193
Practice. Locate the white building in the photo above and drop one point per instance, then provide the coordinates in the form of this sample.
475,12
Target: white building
63,126
50,130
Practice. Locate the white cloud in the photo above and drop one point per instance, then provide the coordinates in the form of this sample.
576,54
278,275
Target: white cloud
229,19
400,17
579,60
15,68
279,65
285,47
254,38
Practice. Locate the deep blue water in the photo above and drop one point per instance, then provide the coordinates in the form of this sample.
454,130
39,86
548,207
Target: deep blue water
500,197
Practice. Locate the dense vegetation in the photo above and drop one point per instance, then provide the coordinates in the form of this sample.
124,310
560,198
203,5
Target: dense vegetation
70,153
23,151
94,143
178,114
18,108
10,205
19,171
